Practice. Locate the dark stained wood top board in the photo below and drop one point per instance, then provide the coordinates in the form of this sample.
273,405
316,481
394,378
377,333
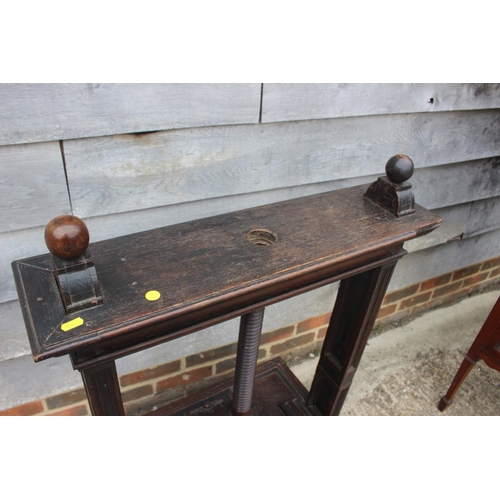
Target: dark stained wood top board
207,271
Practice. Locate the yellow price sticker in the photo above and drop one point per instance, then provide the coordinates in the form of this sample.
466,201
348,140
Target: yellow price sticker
153,295
69,325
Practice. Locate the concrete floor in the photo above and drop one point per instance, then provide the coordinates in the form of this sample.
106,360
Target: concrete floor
405,370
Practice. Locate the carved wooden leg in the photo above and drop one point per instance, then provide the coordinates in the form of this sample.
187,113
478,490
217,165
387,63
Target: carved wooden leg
246,361
484,343
103,389
461,375
356,308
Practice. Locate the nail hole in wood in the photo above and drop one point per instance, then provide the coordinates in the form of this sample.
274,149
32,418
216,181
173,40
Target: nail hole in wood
262,237
431,100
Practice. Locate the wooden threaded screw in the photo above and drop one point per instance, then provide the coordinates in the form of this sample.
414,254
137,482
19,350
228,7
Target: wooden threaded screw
246,361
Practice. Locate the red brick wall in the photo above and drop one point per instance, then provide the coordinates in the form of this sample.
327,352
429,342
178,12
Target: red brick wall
434,292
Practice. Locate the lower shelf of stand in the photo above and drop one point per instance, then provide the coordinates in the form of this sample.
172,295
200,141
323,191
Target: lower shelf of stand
276,392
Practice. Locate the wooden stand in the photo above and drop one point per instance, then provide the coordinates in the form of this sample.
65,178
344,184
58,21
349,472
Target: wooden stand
165,283
486,346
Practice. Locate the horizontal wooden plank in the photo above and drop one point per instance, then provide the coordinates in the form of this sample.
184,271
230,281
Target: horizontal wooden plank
434,261
13,338
453,227
33,112
435,188
448,185
120,224
484,217
33,186
17,245
127,173
449,195
306,101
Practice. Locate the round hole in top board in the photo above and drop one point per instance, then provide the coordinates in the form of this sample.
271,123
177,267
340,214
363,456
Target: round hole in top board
262,237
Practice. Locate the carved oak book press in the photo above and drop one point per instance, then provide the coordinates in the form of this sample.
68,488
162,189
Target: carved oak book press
112,298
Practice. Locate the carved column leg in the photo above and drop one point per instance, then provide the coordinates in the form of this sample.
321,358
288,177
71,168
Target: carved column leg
246,361
103,389
356,308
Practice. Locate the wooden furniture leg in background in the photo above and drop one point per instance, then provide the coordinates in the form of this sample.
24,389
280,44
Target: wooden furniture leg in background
103,389
486,346
358,302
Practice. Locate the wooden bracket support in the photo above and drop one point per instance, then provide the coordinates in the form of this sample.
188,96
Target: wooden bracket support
392,193
77,282
67,238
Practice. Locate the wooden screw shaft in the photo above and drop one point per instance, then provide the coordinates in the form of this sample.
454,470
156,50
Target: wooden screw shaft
246,361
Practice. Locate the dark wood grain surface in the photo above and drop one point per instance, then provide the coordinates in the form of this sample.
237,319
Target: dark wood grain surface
208,270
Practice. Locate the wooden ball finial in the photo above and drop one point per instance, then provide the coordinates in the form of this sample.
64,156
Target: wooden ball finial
399,169
67,236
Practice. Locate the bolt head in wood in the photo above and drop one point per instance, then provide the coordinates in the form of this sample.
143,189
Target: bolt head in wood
67,237
399,169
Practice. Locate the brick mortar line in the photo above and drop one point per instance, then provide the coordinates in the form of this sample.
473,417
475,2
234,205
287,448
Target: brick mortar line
480,269
461,290
67,407
156,381
44,405
214,362
47,412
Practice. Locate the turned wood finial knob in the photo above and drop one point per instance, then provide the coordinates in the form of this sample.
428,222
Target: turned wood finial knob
399,169
67,237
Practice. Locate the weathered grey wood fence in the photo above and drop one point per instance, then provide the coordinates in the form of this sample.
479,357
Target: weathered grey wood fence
128,157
